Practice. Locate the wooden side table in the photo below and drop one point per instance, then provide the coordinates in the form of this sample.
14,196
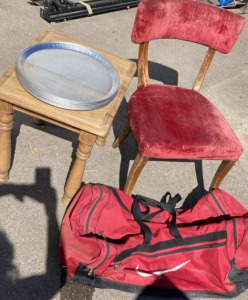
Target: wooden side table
93,126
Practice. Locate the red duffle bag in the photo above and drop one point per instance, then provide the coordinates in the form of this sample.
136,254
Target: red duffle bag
111,240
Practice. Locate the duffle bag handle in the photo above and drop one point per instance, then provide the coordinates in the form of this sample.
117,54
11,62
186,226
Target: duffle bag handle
141,217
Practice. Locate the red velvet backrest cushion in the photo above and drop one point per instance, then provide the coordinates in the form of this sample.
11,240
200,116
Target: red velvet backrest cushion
189,20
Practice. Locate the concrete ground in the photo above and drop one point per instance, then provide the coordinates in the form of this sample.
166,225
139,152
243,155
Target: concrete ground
31,209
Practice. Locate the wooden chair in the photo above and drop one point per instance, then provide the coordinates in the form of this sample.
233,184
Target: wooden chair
180,123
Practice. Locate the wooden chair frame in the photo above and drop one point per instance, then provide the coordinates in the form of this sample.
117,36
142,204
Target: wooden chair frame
143,80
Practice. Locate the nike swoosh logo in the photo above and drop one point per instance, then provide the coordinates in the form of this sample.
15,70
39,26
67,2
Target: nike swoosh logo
159,273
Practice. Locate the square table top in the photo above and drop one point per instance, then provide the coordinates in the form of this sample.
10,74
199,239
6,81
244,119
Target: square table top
97,121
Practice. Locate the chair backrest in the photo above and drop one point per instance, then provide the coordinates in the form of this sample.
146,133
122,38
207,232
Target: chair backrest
189,20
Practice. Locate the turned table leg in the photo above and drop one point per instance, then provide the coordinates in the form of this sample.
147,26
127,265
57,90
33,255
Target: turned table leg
6,124
86,142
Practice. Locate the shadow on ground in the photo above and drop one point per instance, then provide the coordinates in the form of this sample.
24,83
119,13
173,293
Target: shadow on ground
47,285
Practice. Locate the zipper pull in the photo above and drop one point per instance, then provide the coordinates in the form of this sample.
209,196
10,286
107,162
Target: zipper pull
91,273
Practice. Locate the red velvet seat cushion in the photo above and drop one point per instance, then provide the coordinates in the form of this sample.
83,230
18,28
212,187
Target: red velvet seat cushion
173,122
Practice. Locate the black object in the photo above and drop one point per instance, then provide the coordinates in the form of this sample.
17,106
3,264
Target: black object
60,10
37,2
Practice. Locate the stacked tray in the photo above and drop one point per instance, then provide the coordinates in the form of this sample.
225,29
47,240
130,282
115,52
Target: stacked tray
67,75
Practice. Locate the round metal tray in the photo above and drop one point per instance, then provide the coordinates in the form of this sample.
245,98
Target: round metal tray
67,75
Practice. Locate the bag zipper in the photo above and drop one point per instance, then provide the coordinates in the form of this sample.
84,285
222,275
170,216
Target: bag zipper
105,258
227,218
90,212
208,240
87,230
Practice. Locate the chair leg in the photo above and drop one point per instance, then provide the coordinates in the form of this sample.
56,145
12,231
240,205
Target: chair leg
134,173
124,134
221,172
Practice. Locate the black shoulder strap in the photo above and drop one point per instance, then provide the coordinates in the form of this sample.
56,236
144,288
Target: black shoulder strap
146,202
